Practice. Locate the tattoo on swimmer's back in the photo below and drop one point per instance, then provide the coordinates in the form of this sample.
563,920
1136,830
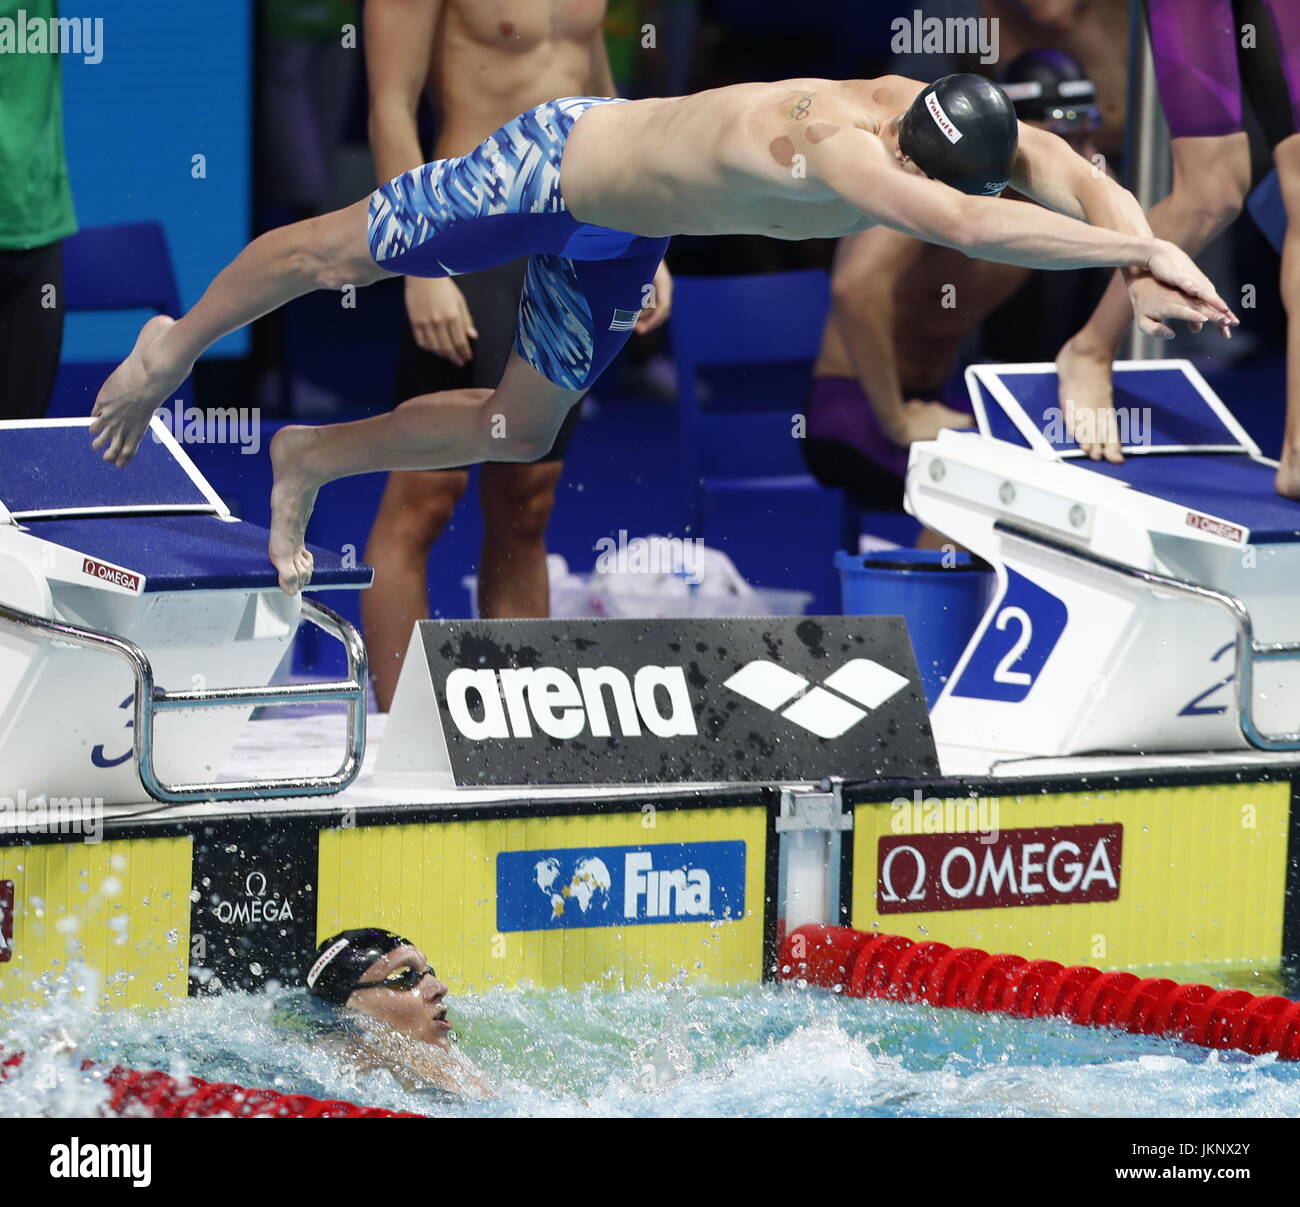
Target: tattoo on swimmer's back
801,109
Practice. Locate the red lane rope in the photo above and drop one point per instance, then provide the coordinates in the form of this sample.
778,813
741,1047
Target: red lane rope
897,969
161,1096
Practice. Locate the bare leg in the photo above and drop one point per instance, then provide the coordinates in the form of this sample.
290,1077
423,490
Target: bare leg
1211,178
328,252
517,502
1287,158
518,421
416,508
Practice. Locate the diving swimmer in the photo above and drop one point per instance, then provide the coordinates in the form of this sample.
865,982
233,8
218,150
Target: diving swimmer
591,189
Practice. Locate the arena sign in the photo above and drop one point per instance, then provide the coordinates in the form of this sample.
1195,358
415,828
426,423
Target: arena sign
1058,865
659,701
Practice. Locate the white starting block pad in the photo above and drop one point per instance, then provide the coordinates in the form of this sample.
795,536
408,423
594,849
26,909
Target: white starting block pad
1149,606
140,625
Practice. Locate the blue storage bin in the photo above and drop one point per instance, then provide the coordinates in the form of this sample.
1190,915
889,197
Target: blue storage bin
940,595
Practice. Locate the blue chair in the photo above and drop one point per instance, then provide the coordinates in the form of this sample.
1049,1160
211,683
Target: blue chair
1267,208
106,268
751,494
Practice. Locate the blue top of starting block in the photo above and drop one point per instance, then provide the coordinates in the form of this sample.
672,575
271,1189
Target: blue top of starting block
1160,406
189,552
1229,486
51,468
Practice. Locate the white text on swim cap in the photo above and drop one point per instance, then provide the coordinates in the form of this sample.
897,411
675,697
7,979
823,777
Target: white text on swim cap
950,132
326,956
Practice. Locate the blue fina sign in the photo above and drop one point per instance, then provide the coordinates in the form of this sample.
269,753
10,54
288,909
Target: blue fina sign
639,885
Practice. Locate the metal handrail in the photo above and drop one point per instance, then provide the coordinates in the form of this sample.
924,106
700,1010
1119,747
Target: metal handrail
151,700
1247,648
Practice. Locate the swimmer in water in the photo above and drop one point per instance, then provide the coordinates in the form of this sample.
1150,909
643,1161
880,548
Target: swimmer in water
405,1030
591,189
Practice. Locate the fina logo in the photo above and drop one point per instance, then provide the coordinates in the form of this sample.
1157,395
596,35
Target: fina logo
620,886
589,885
488,704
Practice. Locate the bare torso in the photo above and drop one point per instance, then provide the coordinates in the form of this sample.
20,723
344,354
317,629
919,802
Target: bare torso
722,161
493,59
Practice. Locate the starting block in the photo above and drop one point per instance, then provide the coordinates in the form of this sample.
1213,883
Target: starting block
1148,606
140,625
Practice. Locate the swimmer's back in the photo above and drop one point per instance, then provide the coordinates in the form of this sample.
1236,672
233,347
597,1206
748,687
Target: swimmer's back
660,166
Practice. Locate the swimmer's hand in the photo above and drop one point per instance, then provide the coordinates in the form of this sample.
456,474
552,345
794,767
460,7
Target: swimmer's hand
134,391
660,305
1155,306
1188,296
440,319
920,420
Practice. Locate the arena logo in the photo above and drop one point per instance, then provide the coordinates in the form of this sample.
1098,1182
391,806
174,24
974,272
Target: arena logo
546,702
6,921
1060,865
488,704
256,906
580,888
919,34
28,33
821,712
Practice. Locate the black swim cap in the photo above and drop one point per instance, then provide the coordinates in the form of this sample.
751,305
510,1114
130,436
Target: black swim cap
962,130
1050,87
342,959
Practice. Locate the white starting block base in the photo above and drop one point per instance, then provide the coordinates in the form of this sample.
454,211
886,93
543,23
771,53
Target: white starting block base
140,624
1149,606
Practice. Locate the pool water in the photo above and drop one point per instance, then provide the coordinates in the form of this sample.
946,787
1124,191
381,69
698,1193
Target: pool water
684,1051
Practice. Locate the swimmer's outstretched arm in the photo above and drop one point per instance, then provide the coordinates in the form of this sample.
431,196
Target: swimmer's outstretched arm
328,252
1049,170
860,168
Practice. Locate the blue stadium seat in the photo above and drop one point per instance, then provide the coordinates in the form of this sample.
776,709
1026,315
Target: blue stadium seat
1266,207
750,342
121,267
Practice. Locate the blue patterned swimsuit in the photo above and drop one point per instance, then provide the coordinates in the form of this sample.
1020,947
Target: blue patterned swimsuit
585,284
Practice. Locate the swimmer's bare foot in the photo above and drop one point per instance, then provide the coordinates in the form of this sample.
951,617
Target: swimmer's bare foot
134,391
1287,482
292,498
1085,391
